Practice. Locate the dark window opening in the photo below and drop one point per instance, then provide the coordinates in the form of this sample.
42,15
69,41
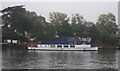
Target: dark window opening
66,46
59,45
72,45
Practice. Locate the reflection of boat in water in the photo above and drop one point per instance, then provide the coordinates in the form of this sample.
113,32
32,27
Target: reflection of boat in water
63,47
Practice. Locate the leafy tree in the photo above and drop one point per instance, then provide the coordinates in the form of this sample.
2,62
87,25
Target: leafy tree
60,21
23,22
14,16
106,24
38,24
118,31
78,25
50,32
92,32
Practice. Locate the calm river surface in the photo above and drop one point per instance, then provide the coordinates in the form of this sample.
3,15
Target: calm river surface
36,59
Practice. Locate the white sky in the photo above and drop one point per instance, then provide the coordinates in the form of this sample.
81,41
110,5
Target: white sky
89,10
59,0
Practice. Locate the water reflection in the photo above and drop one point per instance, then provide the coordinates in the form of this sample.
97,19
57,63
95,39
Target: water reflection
35,59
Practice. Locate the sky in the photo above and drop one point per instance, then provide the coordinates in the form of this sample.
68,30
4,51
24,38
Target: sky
89,10
59,0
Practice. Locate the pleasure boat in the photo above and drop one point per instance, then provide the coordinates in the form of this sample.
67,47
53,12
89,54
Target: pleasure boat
62,47
72,44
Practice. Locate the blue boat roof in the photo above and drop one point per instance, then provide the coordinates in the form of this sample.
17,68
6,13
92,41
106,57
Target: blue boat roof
54,42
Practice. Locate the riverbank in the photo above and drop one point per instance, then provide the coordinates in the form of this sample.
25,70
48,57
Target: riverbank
106,46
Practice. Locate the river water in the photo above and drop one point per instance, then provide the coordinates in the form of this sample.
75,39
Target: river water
36,59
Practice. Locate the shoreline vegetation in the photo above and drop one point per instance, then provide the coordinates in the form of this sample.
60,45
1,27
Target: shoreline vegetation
25,26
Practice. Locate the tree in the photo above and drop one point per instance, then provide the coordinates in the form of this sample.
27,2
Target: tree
60,21
78,25
50,31
14,16
119,31
106,24
93,32
13,19
37,24
24,22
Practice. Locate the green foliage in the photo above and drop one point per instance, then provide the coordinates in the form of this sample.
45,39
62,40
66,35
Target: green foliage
93,32
60,21
7,33
36,26
107,22
25,24
108,39
78,25
108,28
50,31
118,32
14,16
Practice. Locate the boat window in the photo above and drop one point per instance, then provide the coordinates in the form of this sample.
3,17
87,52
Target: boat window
65,45
72,45
59,45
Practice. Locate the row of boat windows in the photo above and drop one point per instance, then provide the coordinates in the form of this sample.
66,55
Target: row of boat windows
66,46
57,46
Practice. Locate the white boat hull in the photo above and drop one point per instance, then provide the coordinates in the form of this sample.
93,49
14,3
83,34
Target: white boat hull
78,49
41,48
64,48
